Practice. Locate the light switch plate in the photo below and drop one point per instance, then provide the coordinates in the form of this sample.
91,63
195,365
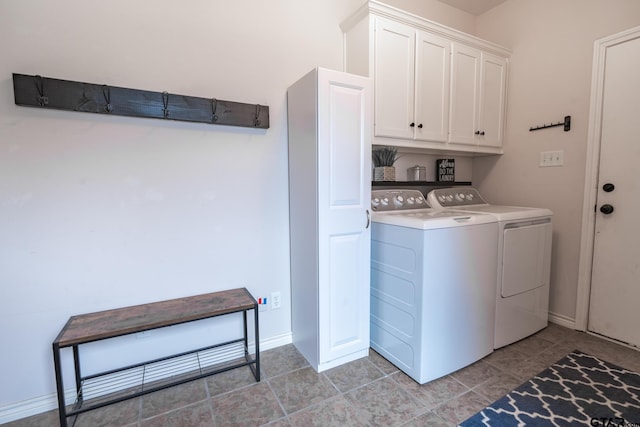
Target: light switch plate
551,158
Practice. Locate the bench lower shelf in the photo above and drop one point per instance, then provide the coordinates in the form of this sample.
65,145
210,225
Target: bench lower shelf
133,381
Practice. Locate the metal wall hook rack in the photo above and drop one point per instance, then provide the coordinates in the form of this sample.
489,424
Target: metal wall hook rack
566,124
44,92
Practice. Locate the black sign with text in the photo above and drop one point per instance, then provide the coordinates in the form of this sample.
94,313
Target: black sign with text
446,170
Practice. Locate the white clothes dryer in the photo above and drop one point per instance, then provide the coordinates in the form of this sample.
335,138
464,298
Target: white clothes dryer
524,261
433,281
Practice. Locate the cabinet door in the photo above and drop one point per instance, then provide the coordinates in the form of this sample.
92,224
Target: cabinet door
344,187
394,79
465,81
432,88
492,100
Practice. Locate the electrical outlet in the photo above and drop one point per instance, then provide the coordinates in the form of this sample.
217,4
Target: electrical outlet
276,303
262,304
551,158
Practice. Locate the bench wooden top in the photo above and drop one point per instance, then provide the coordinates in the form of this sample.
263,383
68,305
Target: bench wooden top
121,321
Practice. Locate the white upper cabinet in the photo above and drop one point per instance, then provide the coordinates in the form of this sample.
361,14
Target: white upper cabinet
394,84
432,87
478,82
493,87
411,84
435,88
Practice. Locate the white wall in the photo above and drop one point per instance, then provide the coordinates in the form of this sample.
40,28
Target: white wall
438,12
99,212
550,77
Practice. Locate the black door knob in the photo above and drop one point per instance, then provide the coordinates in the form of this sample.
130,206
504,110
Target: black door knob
608,187
606,209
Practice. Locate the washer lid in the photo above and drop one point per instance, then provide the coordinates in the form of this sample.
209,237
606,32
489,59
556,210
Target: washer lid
468,199
429,219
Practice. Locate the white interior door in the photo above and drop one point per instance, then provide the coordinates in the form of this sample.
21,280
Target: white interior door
615,282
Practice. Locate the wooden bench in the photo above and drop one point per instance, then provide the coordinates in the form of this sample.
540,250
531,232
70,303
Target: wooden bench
105,388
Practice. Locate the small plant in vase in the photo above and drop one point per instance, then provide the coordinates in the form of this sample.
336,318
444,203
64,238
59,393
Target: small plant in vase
383,160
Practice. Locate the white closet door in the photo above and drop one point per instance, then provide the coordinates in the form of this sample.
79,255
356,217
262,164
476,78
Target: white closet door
344,165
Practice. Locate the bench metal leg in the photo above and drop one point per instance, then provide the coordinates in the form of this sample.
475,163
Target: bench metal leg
257,330
62,410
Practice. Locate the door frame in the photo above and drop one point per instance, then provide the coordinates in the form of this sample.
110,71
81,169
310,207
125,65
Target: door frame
592,171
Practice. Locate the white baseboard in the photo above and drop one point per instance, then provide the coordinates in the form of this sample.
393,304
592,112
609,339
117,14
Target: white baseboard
27,408
38,405
562,320
273,342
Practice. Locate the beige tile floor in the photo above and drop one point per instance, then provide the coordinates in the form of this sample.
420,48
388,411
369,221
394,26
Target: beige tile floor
366,392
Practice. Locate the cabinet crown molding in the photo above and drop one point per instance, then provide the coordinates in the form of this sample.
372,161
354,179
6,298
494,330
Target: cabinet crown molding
377,8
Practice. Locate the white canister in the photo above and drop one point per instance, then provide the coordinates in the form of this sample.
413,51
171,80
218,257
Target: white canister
417,173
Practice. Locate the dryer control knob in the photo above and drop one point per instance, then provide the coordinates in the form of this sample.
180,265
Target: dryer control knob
375,201
399,201
385,201
411,200
420,200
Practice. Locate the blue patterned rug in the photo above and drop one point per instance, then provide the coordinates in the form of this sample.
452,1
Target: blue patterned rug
577,390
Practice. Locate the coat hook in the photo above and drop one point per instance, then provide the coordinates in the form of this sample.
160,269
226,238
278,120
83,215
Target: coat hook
566,123
106,92
165,103
42,100
256,122
214,107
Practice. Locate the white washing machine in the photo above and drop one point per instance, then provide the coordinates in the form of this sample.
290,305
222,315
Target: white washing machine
524,255
433,282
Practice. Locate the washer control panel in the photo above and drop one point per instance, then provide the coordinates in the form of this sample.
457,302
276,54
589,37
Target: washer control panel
450,197
395,200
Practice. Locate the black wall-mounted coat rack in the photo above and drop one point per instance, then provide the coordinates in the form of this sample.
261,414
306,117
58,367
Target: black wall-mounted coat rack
37,91
566,124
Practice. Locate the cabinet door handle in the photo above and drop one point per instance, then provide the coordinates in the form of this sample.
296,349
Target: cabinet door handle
412,124
420,125
368,219
479,133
